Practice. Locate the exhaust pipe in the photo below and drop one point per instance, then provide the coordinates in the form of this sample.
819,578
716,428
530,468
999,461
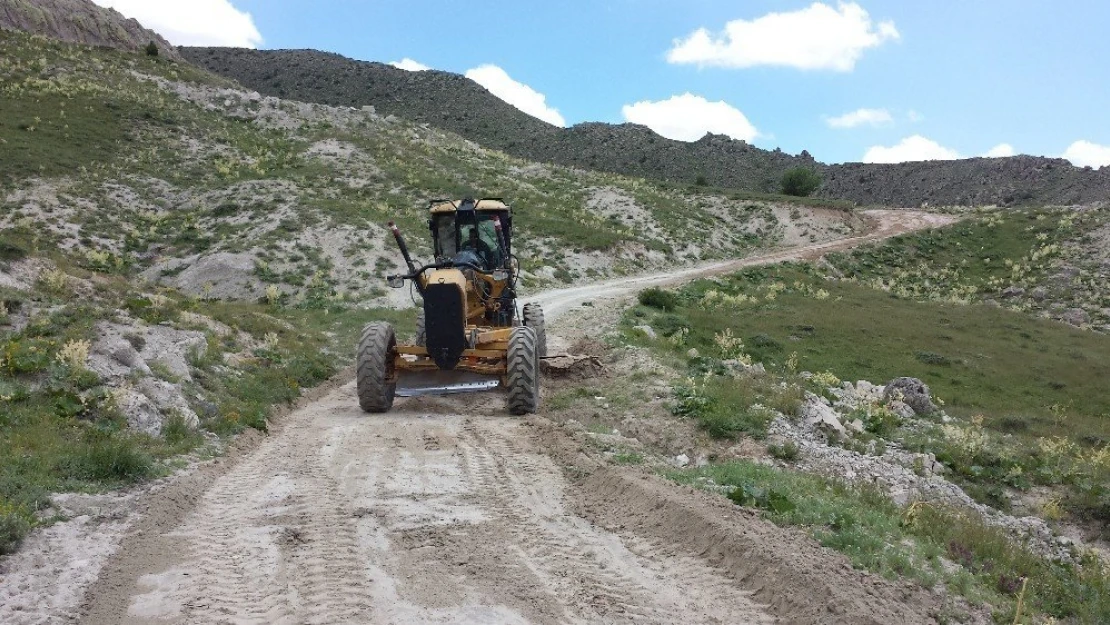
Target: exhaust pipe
405,253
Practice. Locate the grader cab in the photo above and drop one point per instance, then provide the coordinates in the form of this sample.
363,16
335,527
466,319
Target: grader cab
470,336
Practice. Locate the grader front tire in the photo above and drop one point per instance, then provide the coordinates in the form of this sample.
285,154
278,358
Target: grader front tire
523,372
375,376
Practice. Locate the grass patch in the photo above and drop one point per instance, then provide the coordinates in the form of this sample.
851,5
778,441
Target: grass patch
921,542
727,406
978,359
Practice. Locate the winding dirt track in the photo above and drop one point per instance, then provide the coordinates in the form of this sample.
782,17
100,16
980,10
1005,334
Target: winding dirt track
446,511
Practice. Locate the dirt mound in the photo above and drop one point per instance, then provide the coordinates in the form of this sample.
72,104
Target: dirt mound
81,21
756,553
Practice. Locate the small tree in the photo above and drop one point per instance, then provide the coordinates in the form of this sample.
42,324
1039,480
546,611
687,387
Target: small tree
152,49
800,182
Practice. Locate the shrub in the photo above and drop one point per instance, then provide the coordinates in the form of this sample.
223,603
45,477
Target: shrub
107,458
152,49
14,525
800,182
659,298
10,251
785,451
669,324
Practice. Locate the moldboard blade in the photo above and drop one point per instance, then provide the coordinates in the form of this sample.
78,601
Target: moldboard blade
419,383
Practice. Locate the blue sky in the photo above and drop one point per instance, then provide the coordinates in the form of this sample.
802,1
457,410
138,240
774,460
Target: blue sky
848,81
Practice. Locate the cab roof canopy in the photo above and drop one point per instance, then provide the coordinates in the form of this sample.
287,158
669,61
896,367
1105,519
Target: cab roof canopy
484,204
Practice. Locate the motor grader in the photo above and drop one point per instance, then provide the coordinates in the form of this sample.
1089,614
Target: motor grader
469,335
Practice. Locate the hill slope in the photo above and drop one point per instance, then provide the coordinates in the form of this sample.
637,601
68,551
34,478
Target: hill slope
173,174
455,103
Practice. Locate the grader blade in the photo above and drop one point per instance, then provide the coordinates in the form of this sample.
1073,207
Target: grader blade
422,383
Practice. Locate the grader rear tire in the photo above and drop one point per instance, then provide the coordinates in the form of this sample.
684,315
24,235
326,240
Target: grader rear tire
375,375
533,318
523,372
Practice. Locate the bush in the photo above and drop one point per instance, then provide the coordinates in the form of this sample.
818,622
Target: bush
787,451
659,298
800,182
106,458
14,525
152,49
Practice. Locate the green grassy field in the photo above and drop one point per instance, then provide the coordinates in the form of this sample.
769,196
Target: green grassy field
1019,372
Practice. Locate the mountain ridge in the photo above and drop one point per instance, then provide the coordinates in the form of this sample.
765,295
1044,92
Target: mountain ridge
457,104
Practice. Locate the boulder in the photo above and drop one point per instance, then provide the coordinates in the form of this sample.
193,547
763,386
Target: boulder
1076,317
912,392
1013,291
900,408
821,417
648,331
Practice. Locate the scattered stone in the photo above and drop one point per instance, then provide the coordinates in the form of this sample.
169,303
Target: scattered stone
738,368
1013,291
648,331
681,460
1039,294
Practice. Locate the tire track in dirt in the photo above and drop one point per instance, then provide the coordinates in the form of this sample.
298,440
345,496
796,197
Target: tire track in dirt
593,572
270,542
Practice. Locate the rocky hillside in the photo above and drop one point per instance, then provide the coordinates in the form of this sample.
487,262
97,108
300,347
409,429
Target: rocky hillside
80,21
224,192
455,103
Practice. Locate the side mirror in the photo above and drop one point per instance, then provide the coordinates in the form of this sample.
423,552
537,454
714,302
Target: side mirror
395,282
500,275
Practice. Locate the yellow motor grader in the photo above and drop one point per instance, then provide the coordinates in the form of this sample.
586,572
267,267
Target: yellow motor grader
469,334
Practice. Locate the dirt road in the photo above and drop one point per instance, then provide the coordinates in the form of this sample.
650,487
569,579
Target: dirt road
447,511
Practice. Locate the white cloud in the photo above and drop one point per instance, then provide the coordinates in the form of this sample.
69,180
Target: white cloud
410,65
192,22
520,95
688,117
1087,154
915,148
816,37
871,117
1002,149
914,116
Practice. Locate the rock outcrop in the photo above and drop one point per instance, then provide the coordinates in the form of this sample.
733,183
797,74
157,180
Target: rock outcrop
81,21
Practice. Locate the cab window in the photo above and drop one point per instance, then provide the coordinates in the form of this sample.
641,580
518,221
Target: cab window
446,246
